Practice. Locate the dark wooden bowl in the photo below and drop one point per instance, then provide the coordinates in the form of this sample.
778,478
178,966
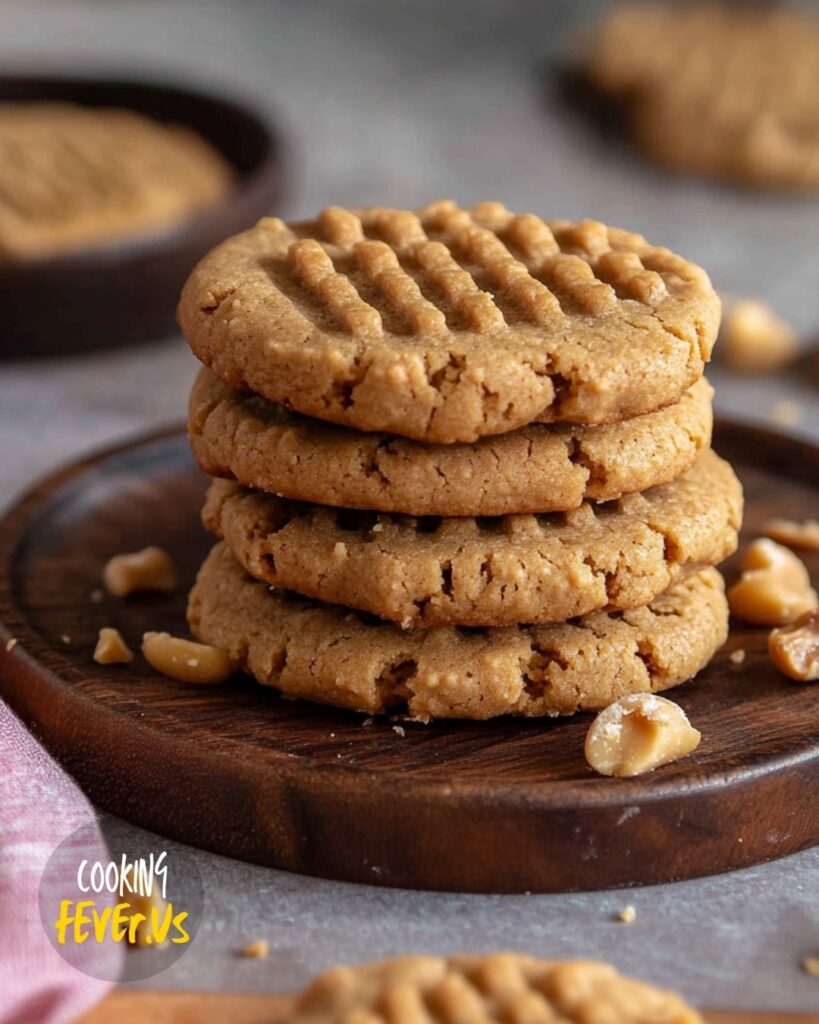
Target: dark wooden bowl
126,292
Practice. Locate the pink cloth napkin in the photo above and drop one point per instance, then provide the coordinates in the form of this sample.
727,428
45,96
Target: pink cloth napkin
39,807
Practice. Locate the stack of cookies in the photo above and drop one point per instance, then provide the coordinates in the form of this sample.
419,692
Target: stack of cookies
462,461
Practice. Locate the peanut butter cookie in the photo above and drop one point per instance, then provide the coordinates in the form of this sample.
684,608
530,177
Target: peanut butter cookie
494,988
485,571
447,325
538,468
334,656
720,90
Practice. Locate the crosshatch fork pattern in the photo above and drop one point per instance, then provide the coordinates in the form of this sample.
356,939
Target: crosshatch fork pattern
446,269
445,325
481,989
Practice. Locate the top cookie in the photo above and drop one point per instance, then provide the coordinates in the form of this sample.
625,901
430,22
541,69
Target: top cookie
446,325
503,987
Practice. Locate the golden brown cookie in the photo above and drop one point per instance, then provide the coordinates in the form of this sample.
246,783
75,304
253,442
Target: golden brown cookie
494,988
718,90
485,571
446,325
328,654
73,177
535,469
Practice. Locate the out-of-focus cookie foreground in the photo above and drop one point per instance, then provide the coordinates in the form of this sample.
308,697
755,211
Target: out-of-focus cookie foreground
498,987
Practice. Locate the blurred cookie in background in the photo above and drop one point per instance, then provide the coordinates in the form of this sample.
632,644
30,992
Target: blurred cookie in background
73,177
723,91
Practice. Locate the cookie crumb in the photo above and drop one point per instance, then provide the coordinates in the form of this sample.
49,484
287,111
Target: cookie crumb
399,730
367,722
66,639
111,649
11,643
96,596
737,657
785,414
627,914
811,965
258,949
149,569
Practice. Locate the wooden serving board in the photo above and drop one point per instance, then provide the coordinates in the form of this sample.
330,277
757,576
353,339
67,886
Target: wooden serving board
503,806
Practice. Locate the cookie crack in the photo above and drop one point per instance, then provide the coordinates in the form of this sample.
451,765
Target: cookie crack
597,475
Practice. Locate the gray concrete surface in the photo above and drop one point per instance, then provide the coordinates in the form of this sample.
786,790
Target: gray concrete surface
403,102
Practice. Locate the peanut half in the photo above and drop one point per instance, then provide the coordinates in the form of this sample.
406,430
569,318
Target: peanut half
774,588
149,569
637,734
794,649
186,660
754,339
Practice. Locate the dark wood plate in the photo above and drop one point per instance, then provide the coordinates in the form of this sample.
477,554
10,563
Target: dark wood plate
126,291
506,806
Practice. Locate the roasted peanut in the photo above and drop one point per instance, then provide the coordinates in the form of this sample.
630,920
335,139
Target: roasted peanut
811,966
794,649
754,339
637,734
111,649
186,660
774,588
256,950
149,569
802,536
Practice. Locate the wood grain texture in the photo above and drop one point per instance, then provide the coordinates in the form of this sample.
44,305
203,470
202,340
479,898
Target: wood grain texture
499,806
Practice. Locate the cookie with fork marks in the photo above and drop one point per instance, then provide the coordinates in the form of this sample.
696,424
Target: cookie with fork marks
332,655
483,989
445,325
